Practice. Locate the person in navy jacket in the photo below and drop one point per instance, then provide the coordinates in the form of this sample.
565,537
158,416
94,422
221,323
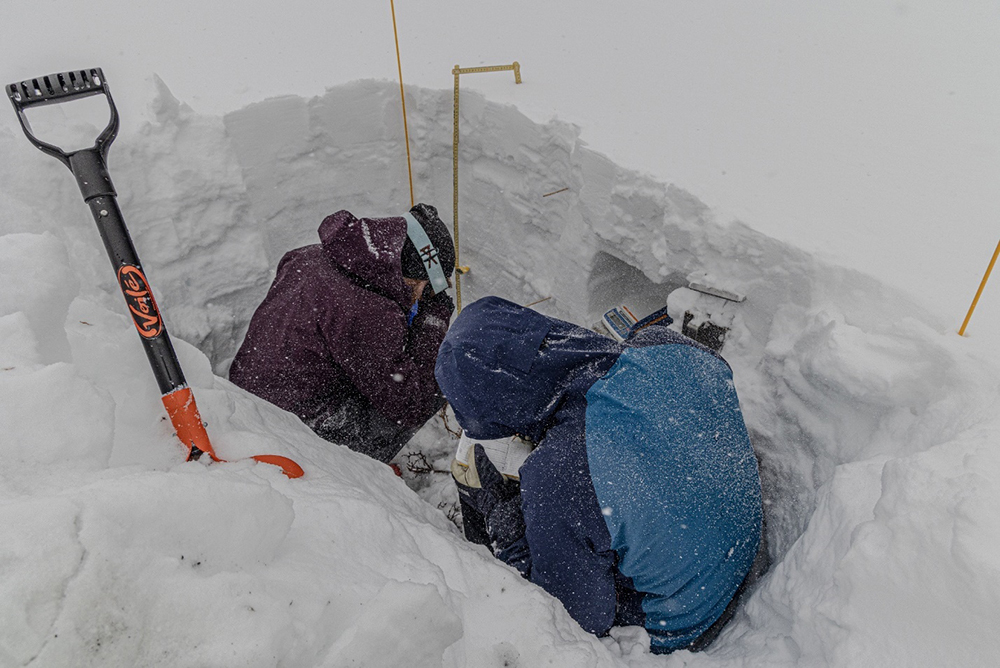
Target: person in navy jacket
641,502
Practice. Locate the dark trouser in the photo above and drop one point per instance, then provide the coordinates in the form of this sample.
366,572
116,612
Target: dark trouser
357,424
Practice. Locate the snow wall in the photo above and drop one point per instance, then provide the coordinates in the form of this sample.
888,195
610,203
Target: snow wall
874,425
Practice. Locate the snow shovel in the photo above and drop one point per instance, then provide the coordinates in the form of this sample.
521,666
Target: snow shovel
90,169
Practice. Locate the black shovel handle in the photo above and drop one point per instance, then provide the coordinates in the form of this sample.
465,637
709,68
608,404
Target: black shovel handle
90,169
62,87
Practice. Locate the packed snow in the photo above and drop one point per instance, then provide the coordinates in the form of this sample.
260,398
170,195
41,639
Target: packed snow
874,422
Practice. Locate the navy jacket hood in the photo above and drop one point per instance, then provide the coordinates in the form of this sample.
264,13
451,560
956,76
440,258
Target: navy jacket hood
498,351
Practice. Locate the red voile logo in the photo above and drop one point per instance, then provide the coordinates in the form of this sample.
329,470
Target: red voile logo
140,301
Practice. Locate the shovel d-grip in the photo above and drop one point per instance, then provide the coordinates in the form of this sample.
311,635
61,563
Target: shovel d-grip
89,166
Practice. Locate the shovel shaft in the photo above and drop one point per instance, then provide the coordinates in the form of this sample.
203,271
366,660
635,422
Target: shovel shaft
99,194
90,170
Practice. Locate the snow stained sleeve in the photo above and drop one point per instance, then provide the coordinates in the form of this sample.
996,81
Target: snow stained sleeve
390,364
571,556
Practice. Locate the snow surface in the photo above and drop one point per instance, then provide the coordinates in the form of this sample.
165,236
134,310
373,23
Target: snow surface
875,423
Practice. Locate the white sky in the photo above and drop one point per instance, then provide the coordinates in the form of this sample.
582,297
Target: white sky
865,130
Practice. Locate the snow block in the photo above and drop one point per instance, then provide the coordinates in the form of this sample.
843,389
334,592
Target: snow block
406,624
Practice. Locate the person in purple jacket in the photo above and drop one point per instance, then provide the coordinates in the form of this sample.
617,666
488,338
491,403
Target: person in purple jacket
349,331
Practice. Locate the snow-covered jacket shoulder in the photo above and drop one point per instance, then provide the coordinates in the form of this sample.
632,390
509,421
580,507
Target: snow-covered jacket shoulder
642,500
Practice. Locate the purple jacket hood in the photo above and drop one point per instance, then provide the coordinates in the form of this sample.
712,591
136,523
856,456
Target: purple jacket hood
369,249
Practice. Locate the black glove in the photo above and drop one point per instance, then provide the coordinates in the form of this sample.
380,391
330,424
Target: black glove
499,502
440,303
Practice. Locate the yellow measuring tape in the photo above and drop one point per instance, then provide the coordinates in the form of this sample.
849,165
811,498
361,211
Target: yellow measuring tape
516,68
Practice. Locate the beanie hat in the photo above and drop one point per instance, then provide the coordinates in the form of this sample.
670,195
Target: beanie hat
437,233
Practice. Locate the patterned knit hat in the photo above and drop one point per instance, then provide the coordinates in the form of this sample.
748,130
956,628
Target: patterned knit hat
444,248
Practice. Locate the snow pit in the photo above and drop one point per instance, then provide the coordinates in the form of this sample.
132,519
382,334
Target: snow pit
876,427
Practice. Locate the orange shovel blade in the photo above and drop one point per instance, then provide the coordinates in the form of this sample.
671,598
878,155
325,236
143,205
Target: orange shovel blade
288,467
